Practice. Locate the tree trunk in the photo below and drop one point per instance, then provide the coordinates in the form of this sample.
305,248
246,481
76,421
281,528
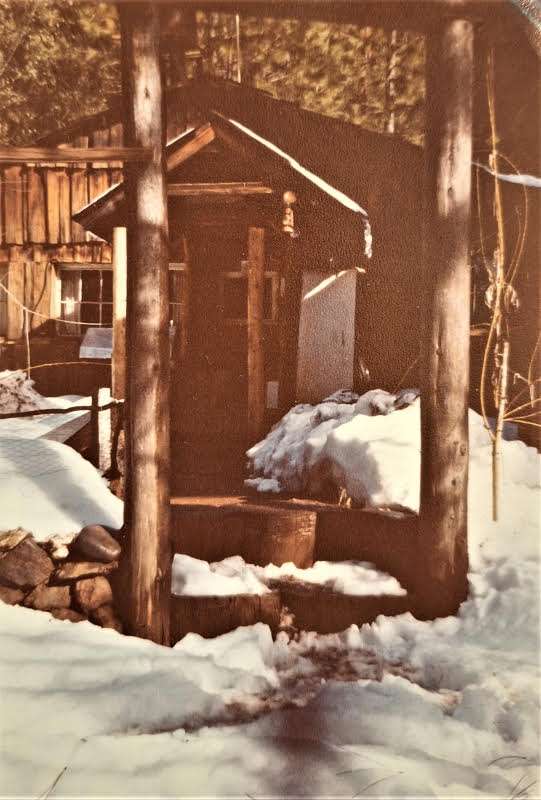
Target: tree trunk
147,328
445,389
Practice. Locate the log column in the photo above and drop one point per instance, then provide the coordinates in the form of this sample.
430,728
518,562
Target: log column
147,328
290,312
118,362
256,354
445,387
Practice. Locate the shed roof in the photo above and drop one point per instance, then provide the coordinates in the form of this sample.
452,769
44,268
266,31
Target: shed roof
273,169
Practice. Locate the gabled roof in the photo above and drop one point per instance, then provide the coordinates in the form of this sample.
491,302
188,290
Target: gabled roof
274,168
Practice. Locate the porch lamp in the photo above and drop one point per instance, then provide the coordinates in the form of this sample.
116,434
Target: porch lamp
288,220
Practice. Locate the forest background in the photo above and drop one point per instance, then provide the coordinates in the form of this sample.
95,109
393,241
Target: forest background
59,60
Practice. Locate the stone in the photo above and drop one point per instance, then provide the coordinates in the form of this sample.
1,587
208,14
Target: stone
96,544
11,597
91,593
106,617
45,598
10,539
67,613
25,566
75,570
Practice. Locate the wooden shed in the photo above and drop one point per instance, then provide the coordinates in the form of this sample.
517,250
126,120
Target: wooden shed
265,260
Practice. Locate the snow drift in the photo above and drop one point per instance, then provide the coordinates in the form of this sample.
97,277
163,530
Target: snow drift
372,449
17,393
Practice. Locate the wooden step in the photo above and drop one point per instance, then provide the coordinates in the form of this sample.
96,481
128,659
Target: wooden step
388,539
213,616
214,528
316,608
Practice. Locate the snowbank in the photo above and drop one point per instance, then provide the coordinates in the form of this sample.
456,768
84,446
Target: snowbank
373,450
48,489
17,393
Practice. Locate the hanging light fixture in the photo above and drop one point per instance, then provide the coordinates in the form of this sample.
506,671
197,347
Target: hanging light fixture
288,220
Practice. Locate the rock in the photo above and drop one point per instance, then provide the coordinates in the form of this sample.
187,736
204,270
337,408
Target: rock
91,593
106,617
96,544
75,570
10,539
25,566
11,597
45,598
67,613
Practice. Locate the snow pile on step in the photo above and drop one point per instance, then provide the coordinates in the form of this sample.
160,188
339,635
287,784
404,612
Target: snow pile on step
344,577
48,489
191,576
233,575
17,393
373,450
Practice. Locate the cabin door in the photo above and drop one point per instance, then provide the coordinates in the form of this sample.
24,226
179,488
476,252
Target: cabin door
209,398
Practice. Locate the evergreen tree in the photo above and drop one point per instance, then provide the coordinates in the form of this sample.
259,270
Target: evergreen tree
58,62
367,76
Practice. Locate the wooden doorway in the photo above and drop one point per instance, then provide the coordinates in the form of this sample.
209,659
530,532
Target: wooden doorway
210,385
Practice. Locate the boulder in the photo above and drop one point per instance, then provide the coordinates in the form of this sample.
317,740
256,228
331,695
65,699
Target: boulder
45,598
75,570
25,566
106,617
11,597
10,539
94,543
91,593
67,613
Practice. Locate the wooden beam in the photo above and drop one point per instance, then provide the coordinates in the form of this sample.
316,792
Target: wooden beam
75,155
147,328
256,354
118,360
228,189
203,136
446,345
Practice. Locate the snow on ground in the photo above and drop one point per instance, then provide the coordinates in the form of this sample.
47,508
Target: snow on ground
47,488
233,575
17,393
399,708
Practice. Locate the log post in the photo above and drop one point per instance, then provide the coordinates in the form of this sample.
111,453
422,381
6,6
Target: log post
256,355
148,366
118,362
94,451
289,320
445,386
